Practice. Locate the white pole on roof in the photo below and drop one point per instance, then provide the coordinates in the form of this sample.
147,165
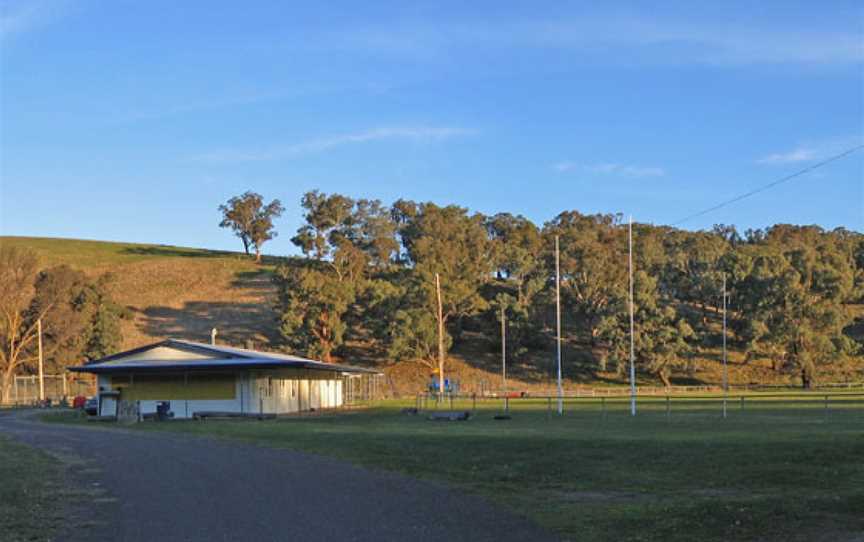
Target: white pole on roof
213,333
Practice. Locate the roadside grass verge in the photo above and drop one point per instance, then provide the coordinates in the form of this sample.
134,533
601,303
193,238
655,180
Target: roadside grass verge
776,472
30,500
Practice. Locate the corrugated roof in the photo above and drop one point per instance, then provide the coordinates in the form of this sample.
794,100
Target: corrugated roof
220,357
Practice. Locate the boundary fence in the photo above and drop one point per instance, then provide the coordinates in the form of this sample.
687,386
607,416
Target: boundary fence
819,402
25,388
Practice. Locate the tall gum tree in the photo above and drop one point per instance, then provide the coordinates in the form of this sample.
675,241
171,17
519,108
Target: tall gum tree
251,220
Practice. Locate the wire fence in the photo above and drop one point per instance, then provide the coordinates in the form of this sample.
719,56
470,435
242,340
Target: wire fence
482,387
799,404
361,389
58,387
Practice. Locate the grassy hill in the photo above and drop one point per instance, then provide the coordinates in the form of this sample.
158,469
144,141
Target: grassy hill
173,291
184,292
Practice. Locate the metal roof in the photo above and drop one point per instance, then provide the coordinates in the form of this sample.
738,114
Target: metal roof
220,357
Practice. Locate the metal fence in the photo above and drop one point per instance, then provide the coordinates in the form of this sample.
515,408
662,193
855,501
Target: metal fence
818,403
621,391
25,388
359,389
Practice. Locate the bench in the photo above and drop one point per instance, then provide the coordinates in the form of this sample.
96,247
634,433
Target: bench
449,416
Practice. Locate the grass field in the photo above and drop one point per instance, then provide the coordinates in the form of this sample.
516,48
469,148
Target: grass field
775,471
29,497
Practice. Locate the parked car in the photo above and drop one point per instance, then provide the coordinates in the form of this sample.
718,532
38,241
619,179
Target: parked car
91,407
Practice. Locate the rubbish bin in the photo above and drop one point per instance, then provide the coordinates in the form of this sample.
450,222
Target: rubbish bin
163,410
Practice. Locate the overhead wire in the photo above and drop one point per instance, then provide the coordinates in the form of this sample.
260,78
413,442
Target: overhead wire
772,184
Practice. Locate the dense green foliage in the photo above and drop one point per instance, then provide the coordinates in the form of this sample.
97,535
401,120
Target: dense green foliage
370,270
251,220
79,319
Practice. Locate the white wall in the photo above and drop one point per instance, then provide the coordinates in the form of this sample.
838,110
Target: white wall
268,392
280,392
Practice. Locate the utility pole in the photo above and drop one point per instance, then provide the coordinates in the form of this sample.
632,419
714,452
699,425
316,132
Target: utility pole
725,365
632,340
440,337
504,359
503,353
558,322
41,373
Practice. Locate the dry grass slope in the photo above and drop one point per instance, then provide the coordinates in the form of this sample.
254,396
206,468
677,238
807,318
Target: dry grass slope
172,291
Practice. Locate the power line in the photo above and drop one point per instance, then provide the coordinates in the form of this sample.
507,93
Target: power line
769,185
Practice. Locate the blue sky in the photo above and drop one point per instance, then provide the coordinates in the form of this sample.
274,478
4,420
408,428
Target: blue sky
133,121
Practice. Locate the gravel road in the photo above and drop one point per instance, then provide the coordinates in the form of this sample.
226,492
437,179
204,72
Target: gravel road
166,487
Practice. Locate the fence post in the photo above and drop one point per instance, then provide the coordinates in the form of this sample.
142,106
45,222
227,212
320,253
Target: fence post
474,402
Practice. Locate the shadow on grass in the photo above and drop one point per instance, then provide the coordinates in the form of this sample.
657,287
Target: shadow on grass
238,323
168,251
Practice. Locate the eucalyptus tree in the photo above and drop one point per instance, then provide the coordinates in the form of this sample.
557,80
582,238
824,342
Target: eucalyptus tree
593,266
251,220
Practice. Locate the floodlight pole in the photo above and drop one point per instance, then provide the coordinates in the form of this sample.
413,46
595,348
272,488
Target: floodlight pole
558,322
725,364
503,353
41,372
632,340
440,338
504,359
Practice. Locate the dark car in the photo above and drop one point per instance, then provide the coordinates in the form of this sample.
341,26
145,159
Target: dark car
91,407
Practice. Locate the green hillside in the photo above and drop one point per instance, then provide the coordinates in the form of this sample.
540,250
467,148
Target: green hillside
184,292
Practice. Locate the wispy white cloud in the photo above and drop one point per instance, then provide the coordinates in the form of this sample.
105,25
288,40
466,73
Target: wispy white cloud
811,150
612,169
313,146
18,17
637,38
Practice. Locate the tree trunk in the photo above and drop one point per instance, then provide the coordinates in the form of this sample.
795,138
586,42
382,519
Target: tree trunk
664,377
6,385
257,255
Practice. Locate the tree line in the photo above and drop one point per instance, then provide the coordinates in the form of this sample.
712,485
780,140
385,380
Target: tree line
79,319
368,273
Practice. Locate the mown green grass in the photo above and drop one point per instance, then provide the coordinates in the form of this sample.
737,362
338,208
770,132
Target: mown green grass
30,503
776,471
